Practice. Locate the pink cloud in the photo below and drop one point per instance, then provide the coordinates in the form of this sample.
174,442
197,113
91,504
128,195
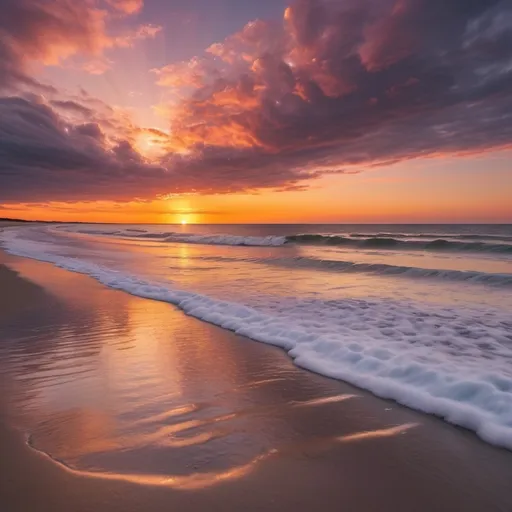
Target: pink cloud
127,6
52,32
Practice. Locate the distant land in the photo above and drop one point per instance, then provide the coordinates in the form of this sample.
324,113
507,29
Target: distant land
6,219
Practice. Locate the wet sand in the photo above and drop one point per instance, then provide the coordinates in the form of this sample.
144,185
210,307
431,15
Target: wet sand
111,402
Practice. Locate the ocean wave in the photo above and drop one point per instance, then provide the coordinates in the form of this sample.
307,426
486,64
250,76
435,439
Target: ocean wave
102,232
495,279
128,233
234,240
453,363
191,238
434,236
384,241
377,242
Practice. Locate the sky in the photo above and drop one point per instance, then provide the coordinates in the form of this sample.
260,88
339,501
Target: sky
275,111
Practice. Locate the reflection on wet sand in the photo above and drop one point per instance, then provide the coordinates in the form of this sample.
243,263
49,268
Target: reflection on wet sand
190,482
202,480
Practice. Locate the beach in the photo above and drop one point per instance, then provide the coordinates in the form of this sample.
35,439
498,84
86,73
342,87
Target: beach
255,256
114,402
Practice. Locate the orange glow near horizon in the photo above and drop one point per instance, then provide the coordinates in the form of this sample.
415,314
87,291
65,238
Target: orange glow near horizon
409,192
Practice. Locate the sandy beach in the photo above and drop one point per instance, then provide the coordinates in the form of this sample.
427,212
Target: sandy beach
111,402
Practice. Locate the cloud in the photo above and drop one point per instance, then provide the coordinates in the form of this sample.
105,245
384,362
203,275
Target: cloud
50,152
51,32
97,66
73,107
43,157
182,74
100,64
147,31
127,6
48,32
324,88
333,87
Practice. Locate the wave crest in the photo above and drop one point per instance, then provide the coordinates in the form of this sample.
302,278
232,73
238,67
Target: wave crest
378,242
495,279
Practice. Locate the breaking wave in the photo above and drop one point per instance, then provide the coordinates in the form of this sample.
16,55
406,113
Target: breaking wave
495,279
388,242
383,241
434,236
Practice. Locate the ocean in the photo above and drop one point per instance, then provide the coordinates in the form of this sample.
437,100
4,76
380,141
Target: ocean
421,314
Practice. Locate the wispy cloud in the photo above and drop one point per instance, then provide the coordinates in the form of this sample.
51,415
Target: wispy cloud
127,6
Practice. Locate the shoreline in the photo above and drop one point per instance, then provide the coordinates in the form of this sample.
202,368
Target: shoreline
490,424
311,445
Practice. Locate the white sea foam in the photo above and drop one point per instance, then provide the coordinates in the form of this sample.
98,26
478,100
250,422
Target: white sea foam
356,240
187,238
452,362
264,241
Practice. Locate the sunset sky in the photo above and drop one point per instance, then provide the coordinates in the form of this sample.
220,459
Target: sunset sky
232,111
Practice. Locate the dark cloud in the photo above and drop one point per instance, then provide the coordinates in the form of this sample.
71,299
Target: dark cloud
44,157
72,107
342,77
337,86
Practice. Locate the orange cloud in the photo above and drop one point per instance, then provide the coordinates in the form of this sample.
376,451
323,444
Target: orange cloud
58,30
182,74
97,66
127,6
143,32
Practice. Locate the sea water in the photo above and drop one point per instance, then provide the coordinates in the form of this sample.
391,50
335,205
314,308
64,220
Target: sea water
415,313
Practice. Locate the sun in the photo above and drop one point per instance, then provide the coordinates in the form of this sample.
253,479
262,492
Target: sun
184,222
